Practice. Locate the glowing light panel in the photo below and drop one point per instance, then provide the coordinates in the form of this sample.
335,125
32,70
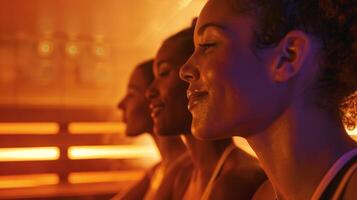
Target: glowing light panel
29,128
20,181
96,127
29,154
96,177
113,151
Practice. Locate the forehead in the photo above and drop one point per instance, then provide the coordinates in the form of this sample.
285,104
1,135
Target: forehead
169,52
216,11
224,13
138,79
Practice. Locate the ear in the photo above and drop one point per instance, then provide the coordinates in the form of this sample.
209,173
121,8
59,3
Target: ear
291,55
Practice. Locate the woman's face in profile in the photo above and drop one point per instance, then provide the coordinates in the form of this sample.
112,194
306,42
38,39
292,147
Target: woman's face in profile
135,107
230,91
167,94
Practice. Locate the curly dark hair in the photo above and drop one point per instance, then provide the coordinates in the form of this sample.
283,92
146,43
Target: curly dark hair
334,23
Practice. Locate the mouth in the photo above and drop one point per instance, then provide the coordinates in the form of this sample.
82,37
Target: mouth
156,109
123,119
194,97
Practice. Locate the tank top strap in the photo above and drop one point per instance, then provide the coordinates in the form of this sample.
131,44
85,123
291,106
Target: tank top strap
337,177
344,181
217,171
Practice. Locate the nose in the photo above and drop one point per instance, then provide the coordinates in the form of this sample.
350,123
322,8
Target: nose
189,72
151,91
121,104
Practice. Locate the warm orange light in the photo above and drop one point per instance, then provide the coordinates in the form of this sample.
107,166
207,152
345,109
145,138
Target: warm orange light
352,132
72,49
99,51
243,144
45,48
35,180
96,127
109,176
29,128
112,151
28,154
183,4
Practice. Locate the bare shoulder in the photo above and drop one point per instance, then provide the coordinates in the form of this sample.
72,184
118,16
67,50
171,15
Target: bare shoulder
246,168
351,188
182,180
265,192
173,184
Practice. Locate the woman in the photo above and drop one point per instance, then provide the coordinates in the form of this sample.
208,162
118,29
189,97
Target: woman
136,114
279,73
219,170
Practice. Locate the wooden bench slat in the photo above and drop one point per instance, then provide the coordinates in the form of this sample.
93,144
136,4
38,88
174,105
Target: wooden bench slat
57,114
68,166
62,140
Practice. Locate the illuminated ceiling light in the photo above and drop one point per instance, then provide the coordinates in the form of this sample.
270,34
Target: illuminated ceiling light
99,51
41,128
29,154
72,49
107,176
112,152
45,48
96,127
31,180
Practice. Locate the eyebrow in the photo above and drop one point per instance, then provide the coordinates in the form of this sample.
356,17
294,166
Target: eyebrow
160,63
205,26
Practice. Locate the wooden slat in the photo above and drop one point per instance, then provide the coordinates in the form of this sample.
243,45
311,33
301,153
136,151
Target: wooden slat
57,114
62,140
65,167
77,191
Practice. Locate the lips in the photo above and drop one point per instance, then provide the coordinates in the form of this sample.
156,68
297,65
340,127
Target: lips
194,97
156,108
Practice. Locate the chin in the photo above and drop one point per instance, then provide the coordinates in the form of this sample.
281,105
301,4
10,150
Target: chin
201,131
204,130
133,131
132,134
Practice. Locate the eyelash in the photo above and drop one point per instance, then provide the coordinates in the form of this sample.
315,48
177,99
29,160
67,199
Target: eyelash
206,46
164,73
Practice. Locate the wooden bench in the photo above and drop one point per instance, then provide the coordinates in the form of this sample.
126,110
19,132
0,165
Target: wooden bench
64,166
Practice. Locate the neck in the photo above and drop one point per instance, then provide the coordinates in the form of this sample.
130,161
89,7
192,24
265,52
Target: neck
298,149
205,155
170,148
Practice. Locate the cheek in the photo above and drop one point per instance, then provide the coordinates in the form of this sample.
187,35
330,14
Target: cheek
137,110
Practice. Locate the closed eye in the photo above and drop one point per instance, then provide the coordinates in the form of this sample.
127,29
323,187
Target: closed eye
206,46
164,73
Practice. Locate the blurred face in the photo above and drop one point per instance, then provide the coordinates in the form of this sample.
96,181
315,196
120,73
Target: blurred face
135,106
167,94
230,90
